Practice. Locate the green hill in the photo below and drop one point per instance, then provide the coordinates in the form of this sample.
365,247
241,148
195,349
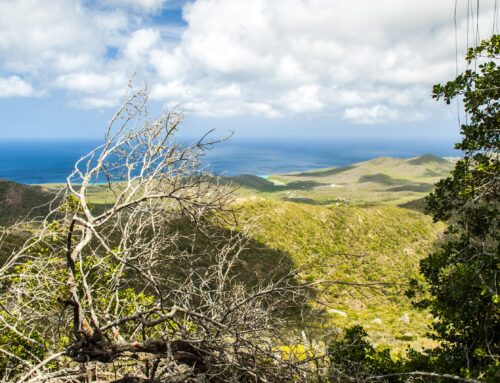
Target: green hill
350,244
427,159
382,180
358,236
259,184
249,181
18,201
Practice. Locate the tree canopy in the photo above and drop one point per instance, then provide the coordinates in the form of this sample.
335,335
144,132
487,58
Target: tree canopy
463,273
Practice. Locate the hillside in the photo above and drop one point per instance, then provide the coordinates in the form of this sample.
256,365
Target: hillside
382,180
18,201
351,244
348,228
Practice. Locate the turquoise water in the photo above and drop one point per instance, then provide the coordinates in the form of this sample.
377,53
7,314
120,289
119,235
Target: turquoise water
47,161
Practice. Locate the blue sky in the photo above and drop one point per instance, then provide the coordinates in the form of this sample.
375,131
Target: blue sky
288,68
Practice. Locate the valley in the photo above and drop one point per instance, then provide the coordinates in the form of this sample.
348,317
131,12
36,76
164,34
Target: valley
358,224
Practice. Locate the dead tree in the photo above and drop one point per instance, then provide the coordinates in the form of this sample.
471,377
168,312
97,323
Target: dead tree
113,286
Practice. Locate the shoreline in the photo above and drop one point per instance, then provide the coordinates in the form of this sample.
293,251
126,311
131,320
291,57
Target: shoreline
267,175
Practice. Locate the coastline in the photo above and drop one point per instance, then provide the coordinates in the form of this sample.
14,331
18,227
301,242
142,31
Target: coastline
263,176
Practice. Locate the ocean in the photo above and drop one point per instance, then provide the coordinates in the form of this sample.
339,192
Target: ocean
50,161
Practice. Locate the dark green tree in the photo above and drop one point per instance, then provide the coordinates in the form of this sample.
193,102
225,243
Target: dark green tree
463,274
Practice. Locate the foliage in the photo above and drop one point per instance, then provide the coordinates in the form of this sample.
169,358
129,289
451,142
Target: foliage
354,353
462,281
348,243
122,289
19,351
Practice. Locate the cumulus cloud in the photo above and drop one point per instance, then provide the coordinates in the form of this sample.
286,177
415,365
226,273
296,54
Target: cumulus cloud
362,61
380,113
14,86
144,5
37,33
140,44
303,99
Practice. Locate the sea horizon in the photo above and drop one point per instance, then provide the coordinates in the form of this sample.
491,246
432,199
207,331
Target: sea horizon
34,161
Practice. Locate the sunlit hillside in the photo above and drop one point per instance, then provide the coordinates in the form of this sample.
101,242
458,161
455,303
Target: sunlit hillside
382,180
351,244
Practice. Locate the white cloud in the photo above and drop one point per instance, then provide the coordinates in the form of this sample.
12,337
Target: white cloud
363,61
94,102
140,44
173,90
232,90
84,82
168,65
142,5
14,86
371,115
36,33
112,21
377,114
303,99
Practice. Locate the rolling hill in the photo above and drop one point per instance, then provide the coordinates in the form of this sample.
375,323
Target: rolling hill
348,227
18,201
350,244
382,180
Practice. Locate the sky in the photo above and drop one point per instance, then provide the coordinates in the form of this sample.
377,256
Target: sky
261,68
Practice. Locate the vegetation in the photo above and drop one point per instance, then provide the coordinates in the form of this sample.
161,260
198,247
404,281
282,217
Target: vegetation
375,250
383,180
380,245
152,266
462,276
159,275
124,291
18,201
459,281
